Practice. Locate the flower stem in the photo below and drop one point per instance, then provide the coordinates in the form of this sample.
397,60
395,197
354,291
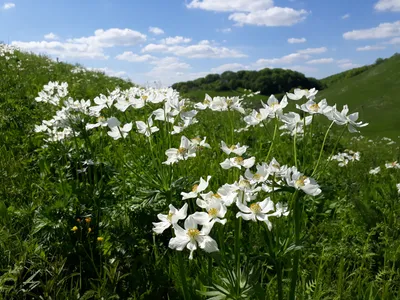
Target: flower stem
297,218
273,139
295,148
322,148
238,227
183,277
338,140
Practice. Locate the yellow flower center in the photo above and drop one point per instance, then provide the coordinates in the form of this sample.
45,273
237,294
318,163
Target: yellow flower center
213,212
193,232
257,176
101,119
233,147
182,150
300,181
194,188
74,228
314,107
144,97
229,101
239,160
169,217
206,101
255,208
274,104
394,163
258,116
244,183
216,195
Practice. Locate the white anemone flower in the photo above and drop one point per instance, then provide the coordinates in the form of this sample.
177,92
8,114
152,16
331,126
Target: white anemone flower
312,107
256,117
375,171
174,215
341,118
185,151
246,191
299,93
260,176
200,143
146,129
238,162
259,211
274,106
101,122
301,182
191,237
216,211
236,149
276,169
117,131
227,194
294,124
197,188
392,165
102,102
206,103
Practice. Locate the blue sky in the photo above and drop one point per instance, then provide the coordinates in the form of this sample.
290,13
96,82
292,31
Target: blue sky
176,40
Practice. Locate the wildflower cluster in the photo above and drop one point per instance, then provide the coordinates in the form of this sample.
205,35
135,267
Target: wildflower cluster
345,157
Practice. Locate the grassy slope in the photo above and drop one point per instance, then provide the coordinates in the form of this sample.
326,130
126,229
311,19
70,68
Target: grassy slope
375,95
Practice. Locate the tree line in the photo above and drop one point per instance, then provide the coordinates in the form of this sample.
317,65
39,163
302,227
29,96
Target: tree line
267,81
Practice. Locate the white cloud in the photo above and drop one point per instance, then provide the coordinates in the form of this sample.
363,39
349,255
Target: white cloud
228,67
62,50
8,5
313,50
275,16
167,70
200,50
394,41
384,30
296,41
131,57
176,40
371,48
109,72
231,5
112,37
156,30
388,5
169,64
225,30
284,60
155,48
346,64
321,61
346,16
51,36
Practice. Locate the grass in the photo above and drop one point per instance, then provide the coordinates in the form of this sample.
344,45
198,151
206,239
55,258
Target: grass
76,216
374,93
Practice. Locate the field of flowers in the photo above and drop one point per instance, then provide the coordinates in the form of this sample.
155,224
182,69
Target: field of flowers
138,193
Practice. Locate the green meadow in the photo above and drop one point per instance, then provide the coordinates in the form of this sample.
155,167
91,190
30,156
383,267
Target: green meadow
113,191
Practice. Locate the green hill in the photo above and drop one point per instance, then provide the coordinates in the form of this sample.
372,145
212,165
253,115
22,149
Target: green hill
374,93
